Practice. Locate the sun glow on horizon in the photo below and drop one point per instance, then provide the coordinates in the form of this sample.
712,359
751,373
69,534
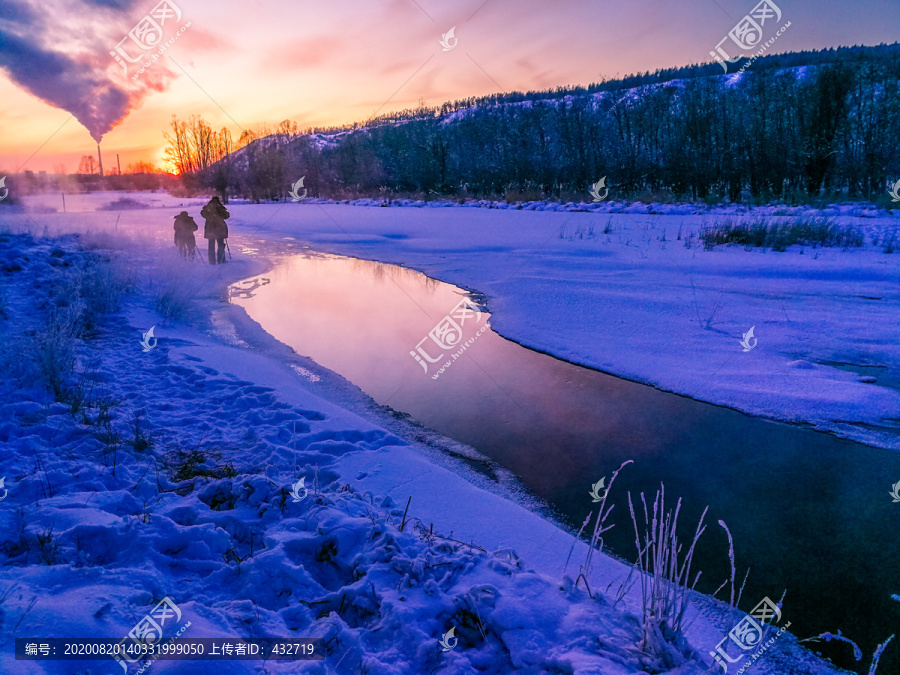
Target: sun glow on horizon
348,61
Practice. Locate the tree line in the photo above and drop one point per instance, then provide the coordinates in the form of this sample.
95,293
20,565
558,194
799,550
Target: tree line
792,127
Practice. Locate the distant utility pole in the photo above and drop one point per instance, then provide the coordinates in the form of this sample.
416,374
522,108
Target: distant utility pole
118,164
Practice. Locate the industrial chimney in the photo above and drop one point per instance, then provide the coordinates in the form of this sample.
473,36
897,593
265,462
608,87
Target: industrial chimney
100,159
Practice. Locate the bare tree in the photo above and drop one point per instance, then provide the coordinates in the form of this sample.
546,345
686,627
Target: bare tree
141,167
287,128
87,165
178,154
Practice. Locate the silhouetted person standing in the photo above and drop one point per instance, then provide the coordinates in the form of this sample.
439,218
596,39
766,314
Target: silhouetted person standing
216,231
184,234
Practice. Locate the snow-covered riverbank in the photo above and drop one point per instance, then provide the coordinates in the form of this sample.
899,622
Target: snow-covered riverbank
208,432
636,295
632,292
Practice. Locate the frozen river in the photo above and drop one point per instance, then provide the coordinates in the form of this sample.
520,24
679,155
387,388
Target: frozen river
809,512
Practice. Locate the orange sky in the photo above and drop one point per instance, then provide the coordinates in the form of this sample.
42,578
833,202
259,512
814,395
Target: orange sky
242,63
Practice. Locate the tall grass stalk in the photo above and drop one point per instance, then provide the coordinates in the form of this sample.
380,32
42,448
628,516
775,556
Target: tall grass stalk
599,528
733,602
877,656
666,578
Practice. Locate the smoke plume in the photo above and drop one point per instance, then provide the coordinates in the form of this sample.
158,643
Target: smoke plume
59,50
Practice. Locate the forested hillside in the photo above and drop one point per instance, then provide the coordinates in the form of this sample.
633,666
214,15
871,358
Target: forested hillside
793,127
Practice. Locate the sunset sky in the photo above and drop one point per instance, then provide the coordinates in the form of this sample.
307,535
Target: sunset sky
239,64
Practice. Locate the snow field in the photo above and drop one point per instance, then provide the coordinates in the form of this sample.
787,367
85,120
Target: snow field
239,411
